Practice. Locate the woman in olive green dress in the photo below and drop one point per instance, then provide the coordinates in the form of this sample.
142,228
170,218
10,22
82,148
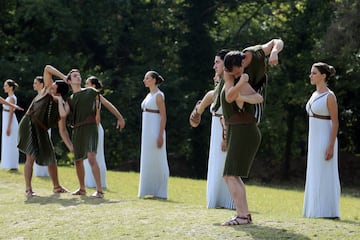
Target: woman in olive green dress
45,111
242,134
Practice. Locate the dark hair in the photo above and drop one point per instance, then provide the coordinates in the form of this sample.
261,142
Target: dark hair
95,81
62,87
40,79
68,76
157,76
325,68
11,83
233,59
221,54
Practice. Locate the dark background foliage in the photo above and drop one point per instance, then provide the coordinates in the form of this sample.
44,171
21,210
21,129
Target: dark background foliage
119,40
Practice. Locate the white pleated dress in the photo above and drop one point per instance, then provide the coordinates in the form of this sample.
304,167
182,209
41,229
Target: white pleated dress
9,150
100,158
154,169
217,191
41,171
322,187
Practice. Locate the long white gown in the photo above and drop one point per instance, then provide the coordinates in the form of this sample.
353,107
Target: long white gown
217,192
322,187
9,150
100,158
154,169
41,171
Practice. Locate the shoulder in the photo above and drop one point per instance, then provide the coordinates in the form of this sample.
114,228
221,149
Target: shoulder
160,95
331,96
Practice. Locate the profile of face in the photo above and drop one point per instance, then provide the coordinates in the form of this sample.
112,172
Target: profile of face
37,85
149,80
316,76
75,77
88,83
218,66
236,71
6,87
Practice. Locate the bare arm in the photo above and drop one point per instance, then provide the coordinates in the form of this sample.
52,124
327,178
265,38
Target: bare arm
162,109
273,48
64,134
50,71
232,91
61,105
3,101
114,111
333,110
249,95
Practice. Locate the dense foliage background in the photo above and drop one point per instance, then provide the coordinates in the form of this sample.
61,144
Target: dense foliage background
119,40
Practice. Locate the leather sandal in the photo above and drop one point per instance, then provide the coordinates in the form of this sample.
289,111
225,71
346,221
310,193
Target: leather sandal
60,189
97,194
238,220
80,192
29,193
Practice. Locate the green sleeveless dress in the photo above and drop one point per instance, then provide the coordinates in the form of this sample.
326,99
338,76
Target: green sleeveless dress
242,137
33,134
82,114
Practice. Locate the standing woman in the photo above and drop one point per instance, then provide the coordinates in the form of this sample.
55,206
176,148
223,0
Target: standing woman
154,169
40,171
94,82
322,187
10,126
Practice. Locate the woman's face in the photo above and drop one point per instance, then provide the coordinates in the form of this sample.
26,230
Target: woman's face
236,72
88,83
316,76
37,85
148,80
218,66
6,87
53,89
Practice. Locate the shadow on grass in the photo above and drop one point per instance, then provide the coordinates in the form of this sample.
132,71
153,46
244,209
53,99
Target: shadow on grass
55,199
265,232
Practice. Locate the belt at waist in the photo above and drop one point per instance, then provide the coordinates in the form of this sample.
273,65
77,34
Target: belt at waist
151,110
6,110
241,118
320,116
217,115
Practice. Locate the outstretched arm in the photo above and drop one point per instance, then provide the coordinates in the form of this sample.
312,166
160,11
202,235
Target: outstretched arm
114,111
273,48
3,101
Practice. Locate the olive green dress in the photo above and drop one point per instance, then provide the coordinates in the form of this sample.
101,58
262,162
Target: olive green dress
242,137
85,132
33,138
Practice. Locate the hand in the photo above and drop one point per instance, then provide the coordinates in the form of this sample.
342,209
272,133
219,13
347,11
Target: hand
120,123
160,141
273,59
8,132
223,145
244,78
329,153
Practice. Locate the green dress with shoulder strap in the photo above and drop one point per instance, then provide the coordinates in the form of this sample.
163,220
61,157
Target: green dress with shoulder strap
242,138
33,137
85,132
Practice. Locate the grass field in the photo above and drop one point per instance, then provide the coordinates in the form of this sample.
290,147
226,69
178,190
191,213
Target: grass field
276,212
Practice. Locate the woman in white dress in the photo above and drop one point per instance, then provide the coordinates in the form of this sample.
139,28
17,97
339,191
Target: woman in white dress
40,171
10,126
100,156
154,169
322,187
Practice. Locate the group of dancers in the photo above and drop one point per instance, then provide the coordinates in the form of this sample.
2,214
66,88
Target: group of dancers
236,104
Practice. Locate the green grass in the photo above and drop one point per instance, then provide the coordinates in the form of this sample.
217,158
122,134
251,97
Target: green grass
276,212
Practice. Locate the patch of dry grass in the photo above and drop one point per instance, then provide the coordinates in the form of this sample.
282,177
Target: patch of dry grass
121,215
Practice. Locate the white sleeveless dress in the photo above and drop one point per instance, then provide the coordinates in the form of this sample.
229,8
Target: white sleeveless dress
154,169
41,171
322,187
100,158
9,150
217,191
